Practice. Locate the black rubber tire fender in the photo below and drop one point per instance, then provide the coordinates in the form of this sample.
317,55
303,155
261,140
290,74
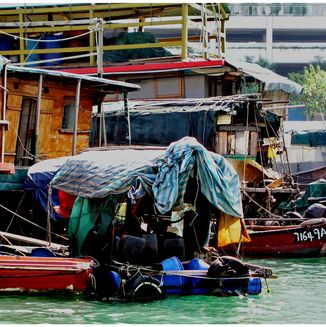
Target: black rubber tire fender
143,288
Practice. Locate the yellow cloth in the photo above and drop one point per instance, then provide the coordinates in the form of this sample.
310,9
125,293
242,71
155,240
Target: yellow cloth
271,154
231,230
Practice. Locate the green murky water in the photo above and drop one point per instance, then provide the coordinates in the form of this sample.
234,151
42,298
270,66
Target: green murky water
298,296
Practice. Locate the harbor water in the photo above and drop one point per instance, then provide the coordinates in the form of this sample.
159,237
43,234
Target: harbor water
297,296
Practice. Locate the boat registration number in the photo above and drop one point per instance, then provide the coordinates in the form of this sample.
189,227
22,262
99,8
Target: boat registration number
310,235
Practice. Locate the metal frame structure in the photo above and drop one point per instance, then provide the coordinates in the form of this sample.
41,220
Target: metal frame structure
23,21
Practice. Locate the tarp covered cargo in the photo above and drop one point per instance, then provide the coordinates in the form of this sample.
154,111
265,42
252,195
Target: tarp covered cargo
162,122
98,174
105,174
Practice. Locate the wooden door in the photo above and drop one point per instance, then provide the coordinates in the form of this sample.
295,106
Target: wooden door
45,128
14,107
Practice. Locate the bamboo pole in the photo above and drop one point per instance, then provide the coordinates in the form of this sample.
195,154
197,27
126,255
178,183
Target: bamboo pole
184,31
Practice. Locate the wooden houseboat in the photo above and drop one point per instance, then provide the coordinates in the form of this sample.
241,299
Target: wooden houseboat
44,114
47,114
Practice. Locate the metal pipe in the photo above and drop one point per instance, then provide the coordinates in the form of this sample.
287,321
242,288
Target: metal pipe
77,101
127,115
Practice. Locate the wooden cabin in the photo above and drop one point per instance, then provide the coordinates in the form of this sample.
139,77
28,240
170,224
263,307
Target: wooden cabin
47,114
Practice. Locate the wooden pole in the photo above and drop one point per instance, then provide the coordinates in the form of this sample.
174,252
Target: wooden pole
99,44
38,115
184,31
74,141
204,30
4,107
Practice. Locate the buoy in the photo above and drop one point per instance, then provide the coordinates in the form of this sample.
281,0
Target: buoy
142,288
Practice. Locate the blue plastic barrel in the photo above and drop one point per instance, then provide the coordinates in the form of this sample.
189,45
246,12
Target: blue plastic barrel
53,44
173,283
6,42
114,282
197,285
32,45
254,285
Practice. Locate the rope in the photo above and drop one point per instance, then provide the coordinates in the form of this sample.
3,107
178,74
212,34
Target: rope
32,223
56,40
260,206
21,143
127,267
33,48
12,219
55,59
175,273
5,238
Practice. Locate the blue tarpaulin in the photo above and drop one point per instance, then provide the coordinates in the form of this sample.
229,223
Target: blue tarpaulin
38,178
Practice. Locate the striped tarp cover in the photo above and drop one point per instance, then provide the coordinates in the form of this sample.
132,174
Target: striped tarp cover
98,174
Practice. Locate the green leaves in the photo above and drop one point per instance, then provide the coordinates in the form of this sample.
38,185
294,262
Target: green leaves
313,80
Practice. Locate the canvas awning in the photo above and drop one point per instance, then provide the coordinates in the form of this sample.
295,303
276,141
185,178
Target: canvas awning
271,80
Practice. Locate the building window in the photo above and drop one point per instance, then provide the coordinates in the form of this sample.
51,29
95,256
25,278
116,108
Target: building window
68,115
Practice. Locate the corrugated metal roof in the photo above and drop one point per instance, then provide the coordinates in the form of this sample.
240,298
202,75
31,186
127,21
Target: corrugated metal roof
271,80
103,82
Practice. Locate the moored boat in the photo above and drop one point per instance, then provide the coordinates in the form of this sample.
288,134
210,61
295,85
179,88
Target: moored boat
28,273
307,239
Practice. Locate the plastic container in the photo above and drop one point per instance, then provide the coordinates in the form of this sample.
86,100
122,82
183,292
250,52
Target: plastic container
173,247
131,249
254,285
6,42
114,283
173,284
42,252
53,44
151,247
197,285
32,45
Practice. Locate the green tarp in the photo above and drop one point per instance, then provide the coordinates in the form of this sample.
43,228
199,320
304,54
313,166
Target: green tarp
315,189
13,182
309,138
90,218
129,54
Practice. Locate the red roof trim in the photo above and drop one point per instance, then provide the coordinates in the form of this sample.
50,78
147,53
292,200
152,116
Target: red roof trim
147,67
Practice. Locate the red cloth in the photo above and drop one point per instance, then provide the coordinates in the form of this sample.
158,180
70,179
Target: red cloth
66,202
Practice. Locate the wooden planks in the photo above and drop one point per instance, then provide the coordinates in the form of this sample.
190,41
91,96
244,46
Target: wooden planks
236,142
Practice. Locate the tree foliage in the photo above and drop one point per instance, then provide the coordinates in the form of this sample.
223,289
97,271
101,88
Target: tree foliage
313,81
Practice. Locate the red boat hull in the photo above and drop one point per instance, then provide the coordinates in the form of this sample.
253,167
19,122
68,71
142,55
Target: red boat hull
305,240
18,273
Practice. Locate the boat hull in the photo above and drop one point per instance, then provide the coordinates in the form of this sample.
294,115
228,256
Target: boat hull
19,273
304,240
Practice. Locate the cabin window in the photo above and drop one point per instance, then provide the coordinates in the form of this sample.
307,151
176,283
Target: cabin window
170,87
25,148
68,115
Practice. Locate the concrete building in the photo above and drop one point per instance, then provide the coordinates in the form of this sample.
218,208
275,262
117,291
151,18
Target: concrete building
288,35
